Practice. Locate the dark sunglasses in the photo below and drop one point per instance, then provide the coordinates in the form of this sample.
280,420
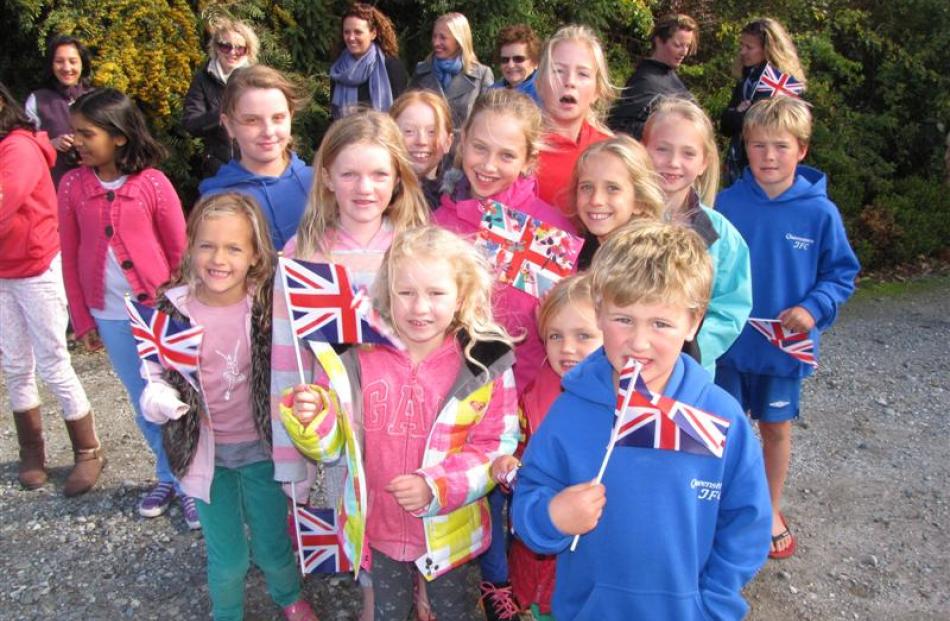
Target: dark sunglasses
230,48
515,59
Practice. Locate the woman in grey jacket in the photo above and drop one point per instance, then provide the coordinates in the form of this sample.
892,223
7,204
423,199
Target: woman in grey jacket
452,69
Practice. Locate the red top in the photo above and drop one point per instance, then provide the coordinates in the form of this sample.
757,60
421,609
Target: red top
28,237
143,223
532,574
556,165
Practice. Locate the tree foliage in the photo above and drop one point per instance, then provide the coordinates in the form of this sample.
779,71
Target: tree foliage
876,74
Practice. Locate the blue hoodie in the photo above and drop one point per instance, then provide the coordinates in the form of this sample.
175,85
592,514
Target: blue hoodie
680,535
282,199
800,256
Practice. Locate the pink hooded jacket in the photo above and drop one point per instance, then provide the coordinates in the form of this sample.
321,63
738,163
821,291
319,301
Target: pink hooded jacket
513,308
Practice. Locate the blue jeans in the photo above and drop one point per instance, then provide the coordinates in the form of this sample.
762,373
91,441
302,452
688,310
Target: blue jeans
494,562
116,335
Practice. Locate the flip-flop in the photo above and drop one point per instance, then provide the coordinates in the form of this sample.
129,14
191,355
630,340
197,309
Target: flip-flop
785,534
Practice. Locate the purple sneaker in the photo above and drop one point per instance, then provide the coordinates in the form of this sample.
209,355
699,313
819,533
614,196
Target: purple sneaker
190,511
156,501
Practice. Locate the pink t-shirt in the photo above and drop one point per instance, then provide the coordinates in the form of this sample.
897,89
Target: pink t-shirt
225,368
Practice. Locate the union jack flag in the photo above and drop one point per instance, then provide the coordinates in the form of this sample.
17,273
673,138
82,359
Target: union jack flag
528,254
161,339
655,421
773,82
795,344
322,552
324,306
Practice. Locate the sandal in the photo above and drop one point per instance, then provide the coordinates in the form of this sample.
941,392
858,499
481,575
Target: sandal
782,536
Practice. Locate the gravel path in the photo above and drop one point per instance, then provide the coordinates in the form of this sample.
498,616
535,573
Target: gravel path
866,497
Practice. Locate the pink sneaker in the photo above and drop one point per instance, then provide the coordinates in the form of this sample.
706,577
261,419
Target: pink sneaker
300,610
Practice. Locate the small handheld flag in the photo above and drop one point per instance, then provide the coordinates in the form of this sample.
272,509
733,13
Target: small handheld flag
643,419
773,82
161,339
795,344
324,306
320,549
528,254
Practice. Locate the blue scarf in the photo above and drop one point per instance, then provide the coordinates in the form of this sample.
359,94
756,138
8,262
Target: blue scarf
349,73
446,69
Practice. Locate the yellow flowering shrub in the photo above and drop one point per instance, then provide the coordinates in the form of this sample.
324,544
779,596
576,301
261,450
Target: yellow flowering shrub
147,49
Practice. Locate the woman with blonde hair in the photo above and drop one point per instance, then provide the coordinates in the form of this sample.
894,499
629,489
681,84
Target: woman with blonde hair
452,69
368,72
232,44
762,42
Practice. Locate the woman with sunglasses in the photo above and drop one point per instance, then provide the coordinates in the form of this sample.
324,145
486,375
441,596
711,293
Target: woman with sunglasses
674,37
67,77
518,51
232,45
368,73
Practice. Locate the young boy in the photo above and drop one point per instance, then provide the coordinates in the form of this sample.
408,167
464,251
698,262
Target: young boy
802,269
669,534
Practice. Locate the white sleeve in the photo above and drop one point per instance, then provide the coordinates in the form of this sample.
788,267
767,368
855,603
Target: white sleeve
31,110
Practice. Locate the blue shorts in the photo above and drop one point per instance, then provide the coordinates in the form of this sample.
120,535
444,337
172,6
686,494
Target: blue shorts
766,398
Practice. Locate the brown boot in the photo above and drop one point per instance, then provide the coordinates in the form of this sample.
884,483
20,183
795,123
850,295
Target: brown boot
88,456
29,431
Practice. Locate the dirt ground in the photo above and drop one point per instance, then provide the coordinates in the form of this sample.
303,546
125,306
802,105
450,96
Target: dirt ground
867,495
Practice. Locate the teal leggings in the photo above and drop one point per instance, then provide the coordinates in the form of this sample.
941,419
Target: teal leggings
247,495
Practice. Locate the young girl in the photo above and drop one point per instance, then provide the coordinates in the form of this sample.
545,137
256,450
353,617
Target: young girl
497,152
122,232
364,193
219,437
762,41
682,144
613,183
33,312
434,417
256,110
426,125
568,326
452,70
575,90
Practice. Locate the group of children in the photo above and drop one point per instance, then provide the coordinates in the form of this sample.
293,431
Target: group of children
497,395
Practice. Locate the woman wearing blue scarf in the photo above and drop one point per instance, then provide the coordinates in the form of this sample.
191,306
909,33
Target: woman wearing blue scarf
369,71
452,69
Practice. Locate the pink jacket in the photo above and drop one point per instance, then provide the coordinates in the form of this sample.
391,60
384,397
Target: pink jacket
513,308
453,420
28,223
143,223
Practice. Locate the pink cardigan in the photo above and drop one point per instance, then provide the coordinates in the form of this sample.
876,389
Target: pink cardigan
143,223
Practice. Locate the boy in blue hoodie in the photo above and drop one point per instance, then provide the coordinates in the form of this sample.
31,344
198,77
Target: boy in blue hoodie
803,269
669,534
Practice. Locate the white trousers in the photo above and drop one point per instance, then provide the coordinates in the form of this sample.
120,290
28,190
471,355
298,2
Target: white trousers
33,320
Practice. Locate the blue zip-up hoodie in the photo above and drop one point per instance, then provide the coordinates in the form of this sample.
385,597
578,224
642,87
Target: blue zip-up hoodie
800,256
527,86
680,535
282,199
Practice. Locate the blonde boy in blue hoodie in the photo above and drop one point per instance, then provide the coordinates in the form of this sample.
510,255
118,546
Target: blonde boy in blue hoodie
669,534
